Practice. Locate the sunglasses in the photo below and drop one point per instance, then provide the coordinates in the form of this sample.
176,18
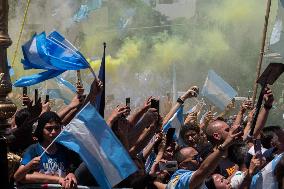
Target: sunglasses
56,128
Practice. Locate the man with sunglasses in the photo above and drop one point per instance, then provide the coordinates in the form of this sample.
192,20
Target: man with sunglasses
192,172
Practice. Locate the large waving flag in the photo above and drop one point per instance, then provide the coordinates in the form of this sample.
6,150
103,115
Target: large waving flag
217,91
265,178
52,53
276,40
175,122
89,135
85,10
59,88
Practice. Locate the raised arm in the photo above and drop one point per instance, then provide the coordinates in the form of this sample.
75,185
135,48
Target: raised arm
211,162
134,118
192,92
262,117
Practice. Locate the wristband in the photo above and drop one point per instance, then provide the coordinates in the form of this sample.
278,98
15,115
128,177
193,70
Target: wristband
179,100
267,107
221,148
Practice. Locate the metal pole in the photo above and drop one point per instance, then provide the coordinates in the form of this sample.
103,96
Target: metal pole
7,108
261,50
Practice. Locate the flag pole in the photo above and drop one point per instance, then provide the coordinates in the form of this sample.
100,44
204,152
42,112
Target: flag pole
79,80
260,58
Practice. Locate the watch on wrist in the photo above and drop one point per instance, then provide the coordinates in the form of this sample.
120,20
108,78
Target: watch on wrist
179,100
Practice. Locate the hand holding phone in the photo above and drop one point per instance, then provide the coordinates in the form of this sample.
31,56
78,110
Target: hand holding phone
46,98
25,93
155,104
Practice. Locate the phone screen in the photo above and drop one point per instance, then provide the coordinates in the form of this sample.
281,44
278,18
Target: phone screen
170,136
257,147
25,91
155,104
36,95
127,101
46,98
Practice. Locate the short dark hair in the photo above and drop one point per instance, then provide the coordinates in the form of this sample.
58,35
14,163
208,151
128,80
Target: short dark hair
237,153
21,116
45,118
267,135
209,182
188,127
178,156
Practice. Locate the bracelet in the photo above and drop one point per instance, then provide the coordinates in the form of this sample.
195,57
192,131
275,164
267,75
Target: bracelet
267,107
221,148
179,100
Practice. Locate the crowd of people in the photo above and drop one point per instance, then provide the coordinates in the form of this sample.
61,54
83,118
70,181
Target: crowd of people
214,152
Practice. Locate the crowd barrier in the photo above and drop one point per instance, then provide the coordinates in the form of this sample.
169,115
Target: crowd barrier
54,186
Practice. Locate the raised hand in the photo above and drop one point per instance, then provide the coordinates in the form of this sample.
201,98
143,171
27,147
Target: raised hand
235,134
117,113
268,98
191,118
246,105
45,107
192,92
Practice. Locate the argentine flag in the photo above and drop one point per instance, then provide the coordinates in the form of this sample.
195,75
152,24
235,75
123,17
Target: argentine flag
175,122
265,178
218,91
90,136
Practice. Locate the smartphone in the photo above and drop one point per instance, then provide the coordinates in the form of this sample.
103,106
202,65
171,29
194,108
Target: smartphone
46,98
127,101
25,91
170,136
257,148
169,166
155,104
36,95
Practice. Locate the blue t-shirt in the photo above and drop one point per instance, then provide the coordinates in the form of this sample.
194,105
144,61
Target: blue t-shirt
265,178
50,164
181,179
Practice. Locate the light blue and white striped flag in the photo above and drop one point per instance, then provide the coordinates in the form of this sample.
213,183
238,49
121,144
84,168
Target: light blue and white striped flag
276,39
217,91
265,178
59,88
89,135
175,122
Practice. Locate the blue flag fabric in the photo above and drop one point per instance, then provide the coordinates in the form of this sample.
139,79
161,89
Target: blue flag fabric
59,88
89,135
36,78
218,91
175,122
52,53
276,38
85,10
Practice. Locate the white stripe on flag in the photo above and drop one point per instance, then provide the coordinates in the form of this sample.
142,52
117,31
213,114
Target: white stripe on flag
84,136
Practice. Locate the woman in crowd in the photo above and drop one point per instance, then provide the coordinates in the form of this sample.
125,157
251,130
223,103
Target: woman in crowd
46,161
